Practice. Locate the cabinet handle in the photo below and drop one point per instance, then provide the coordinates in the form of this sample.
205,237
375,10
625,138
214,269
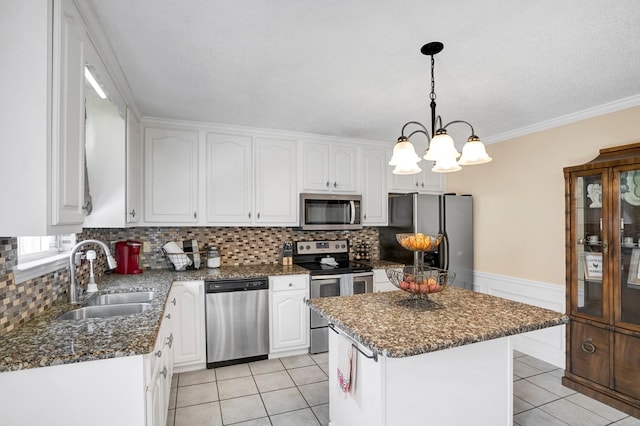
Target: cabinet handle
335,184
422,184
588,347
290,284
174,301
365,216
417,185
158,353
249,215
168,316
328,184
164,372
170,340
133,212
258,215
605,247
195,215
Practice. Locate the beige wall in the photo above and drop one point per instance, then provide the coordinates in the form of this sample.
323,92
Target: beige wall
519,196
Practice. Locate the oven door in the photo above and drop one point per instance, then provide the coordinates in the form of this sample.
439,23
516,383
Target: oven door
362,282
323,286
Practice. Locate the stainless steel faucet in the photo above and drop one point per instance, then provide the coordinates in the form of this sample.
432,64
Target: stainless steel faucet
111,262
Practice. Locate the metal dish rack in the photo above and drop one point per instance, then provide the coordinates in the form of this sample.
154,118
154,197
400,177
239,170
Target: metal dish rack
184,261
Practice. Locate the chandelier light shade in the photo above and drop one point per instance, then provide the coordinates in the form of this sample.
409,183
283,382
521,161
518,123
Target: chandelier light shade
441,148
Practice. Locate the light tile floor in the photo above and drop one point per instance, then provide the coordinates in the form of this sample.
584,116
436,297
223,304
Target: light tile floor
294,391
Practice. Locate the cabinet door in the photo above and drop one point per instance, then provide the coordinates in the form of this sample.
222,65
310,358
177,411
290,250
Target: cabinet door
315,167
374,188
590,285
229,176
401,183
343,168
290,321
67,150
627,364
626,277
428,181
276,197
590,352
133,210
188,323
171,175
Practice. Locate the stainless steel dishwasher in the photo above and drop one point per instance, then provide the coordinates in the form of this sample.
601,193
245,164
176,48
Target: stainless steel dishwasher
237,315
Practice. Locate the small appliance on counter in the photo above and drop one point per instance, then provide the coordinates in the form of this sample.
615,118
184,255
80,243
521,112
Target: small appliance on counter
127,255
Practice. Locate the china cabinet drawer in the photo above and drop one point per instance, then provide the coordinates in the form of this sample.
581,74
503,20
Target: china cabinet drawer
590,352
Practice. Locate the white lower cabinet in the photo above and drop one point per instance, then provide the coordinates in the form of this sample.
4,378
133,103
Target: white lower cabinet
159,371
381,281
289,315
189,351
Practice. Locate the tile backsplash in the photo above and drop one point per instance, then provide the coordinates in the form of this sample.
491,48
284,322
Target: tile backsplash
237,245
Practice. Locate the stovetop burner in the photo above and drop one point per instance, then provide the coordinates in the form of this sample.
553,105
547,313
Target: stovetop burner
310,255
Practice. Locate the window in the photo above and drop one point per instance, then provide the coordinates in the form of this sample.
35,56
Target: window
34,248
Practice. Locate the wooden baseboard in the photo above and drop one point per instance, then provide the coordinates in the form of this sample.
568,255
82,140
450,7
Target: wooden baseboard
606,398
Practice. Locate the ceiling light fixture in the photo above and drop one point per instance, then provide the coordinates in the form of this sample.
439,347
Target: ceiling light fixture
440,148
94,83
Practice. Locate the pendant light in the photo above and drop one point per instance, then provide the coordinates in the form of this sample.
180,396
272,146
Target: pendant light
441,148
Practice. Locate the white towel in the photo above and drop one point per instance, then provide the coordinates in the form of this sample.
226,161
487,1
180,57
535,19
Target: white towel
346,371
176,256
346,285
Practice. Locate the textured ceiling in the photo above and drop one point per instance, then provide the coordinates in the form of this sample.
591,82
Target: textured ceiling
354,69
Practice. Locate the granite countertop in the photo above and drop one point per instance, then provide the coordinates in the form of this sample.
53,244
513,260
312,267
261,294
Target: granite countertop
45,341
386,323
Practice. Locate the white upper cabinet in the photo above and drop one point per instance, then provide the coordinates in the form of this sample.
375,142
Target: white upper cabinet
328,167
67,148
374,188
424,182
171,175
276,198
250,181
134,203
229,177
41,117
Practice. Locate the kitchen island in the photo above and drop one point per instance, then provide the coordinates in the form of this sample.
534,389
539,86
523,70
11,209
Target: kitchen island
446,361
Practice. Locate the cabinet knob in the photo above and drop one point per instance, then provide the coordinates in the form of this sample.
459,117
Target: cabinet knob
328,184
164,372
417,184
588,347
195,215
422,184
290,284
174,301
365,216
158,353
258,215
249,215
168,316
335,184
170,340
133,212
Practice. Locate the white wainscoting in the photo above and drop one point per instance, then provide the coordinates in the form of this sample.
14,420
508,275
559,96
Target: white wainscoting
547,344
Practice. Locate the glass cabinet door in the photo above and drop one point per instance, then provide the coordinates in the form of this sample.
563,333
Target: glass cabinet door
589,292
627,280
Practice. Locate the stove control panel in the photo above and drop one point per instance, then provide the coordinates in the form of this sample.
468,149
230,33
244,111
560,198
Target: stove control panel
322,247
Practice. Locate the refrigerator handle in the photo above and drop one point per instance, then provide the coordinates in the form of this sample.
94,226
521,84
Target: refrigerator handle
444,254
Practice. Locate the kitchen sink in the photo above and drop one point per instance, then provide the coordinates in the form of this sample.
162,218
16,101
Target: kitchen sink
120,298
105,311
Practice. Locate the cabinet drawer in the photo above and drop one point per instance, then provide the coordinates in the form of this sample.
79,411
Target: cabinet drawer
627,364
288,282
590,352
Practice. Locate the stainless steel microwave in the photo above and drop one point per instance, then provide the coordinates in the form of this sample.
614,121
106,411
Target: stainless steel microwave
323,212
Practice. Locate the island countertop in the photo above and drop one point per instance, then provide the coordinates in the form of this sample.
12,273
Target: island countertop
391,325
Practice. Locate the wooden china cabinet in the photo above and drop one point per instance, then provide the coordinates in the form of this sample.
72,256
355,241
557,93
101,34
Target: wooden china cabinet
603,278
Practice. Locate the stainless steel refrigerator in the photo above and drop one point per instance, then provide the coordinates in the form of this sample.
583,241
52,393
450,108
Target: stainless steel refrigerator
450,215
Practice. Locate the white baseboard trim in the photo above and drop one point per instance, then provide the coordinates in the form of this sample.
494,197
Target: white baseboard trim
547,344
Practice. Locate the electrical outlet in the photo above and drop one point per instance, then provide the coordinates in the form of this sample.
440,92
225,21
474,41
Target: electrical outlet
146,247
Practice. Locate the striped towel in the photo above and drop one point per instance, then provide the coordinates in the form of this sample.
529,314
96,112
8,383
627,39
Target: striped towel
190,247
347,356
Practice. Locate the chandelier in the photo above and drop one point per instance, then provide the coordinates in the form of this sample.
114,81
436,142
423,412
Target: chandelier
440,149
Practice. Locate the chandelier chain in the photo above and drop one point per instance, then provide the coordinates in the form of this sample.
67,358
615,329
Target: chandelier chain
432,95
